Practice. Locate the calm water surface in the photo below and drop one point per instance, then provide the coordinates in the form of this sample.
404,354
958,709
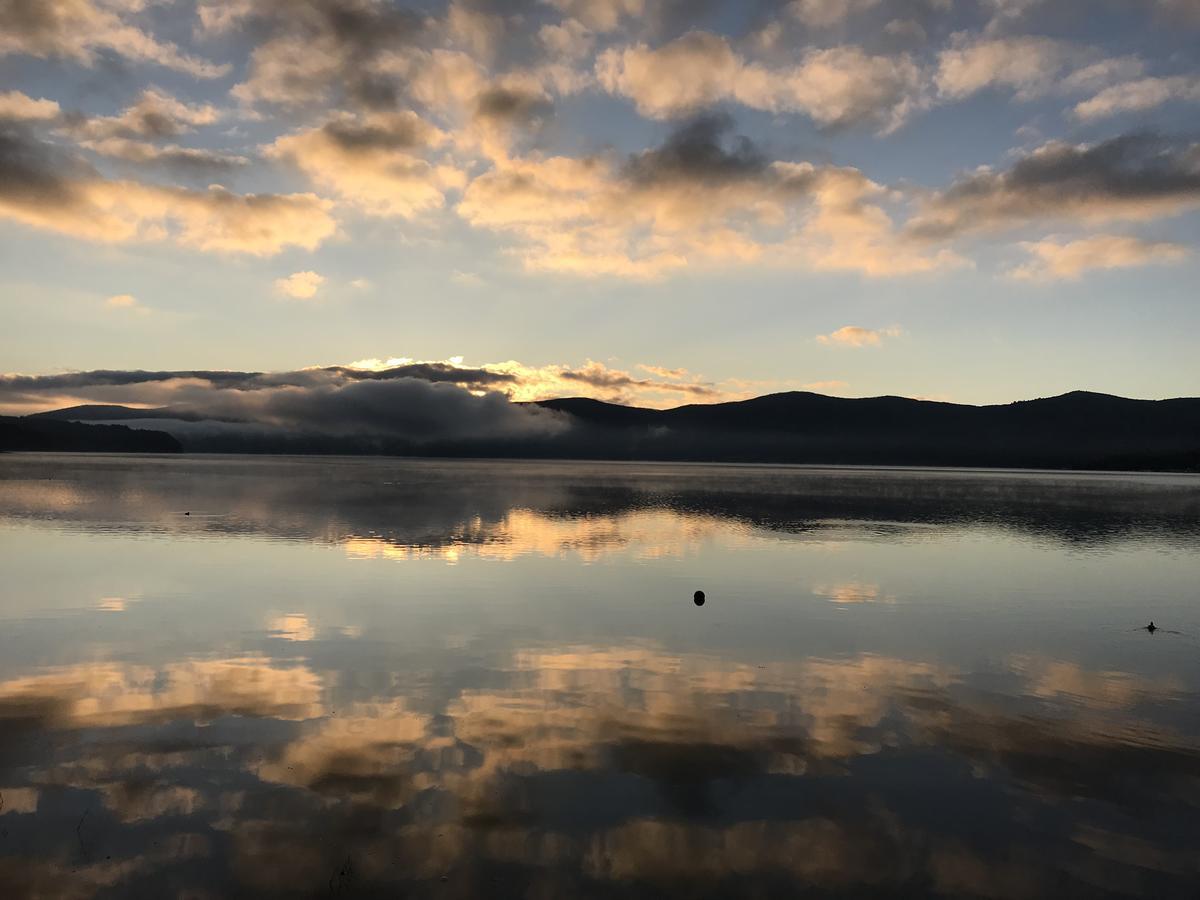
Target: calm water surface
229,676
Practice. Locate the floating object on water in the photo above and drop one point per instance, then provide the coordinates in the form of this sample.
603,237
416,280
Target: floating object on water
187,513
1152,627
698,598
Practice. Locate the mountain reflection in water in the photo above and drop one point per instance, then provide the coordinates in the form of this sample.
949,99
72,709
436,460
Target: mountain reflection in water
382,678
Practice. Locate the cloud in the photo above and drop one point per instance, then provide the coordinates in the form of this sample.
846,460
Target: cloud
824,13
80,30
408,408
1053,259
315,48
186,161
16,106
467,279
125,302
374,162
1174,12
1130,177
662,372
837,86
192,394
1029,65
702,198
601,15
46,188
300,285
1137,96
154,115
1187,11
826,387
570,39
850,231
854,336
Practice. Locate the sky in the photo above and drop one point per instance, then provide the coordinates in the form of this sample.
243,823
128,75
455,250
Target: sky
647,201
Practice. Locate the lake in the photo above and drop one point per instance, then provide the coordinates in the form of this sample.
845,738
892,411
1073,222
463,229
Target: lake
260,676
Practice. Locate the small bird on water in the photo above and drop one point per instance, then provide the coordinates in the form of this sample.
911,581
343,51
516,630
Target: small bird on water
1152,627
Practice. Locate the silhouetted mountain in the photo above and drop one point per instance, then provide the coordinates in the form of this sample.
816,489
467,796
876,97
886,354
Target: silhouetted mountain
106,412
39,433
1075,430
1079,430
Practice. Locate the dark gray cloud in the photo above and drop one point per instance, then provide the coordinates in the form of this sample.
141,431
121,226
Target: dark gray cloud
700,150
397,133
416,403
408,408
1132,176
345,39
36,173
432,371
610,379
82,30
36,21
435,372
513,107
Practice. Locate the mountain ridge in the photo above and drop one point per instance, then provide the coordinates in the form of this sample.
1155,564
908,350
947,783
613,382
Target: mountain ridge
1075,430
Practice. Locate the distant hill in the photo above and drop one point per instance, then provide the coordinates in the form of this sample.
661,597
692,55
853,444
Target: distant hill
105,412
38,433
1079,430
1075,430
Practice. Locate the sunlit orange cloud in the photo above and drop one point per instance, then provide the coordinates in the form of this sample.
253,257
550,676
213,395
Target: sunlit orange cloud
1055,259
215,219
856,336
665,388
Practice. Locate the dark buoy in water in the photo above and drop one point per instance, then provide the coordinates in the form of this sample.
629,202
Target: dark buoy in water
1152,627
698,598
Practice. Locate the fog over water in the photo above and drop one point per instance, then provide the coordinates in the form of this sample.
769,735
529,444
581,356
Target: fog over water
234,676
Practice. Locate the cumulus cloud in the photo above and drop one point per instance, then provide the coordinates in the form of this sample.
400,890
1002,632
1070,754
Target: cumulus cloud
126,303
300,285
836,86
570,39
1029,65
375,161
47,188
824,13
153,115
318,48
1131,177
82,30
16,107
186,161
702,197
1139,95
600,15
856,336
1056,259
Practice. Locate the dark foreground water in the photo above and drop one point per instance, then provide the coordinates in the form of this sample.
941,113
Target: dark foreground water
346,677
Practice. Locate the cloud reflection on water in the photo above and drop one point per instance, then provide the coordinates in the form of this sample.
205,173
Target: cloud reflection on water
295,697
580,767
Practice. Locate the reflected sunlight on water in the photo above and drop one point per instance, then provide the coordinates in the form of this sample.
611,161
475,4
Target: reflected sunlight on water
382,677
